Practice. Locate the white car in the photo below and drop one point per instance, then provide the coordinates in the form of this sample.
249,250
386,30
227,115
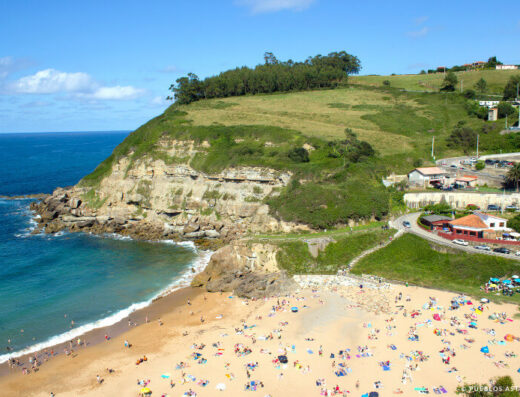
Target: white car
460,242
517,253
482,247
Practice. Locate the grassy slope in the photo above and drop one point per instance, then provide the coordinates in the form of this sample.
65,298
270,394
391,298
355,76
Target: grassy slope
411,259
296,258
496,80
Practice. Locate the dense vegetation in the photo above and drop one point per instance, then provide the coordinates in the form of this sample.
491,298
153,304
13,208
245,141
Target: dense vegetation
500,387
295,257
273,76
411,259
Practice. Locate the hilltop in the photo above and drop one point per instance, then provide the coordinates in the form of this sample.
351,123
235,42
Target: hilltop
432,82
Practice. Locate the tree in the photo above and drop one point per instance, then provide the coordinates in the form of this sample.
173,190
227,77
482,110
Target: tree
386,83
422,72
513,175
450,82
481,85
505,109
480,165
462,137
493,62
270,59
510,88
501,387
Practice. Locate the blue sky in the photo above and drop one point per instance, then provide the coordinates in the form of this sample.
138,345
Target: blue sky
81,66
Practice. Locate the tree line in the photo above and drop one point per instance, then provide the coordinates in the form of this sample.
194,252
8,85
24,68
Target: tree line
271,76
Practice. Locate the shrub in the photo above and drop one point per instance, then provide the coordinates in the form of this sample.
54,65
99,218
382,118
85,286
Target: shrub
505,109
470,94
480,166
386,83
299,155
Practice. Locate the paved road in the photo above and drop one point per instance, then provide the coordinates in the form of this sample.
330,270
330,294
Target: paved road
415,229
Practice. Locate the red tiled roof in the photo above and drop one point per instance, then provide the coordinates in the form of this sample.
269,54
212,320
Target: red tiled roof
472,220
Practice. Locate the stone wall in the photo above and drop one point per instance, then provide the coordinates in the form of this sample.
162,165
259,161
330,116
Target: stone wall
460,200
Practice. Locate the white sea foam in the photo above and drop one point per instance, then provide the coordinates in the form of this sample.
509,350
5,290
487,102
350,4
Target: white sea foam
183,280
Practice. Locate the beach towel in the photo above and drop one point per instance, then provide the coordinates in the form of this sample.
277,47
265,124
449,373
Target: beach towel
386,368
310,351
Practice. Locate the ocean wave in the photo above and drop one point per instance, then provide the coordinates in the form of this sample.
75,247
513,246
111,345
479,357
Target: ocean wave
181,281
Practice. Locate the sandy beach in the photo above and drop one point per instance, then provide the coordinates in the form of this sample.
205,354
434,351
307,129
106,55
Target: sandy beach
343,340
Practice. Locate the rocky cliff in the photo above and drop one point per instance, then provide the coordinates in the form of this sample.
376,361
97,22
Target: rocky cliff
154,198
164,197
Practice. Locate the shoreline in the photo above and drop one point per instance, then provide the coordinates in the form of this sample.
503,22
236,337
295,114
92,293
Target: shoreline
159,306
182,282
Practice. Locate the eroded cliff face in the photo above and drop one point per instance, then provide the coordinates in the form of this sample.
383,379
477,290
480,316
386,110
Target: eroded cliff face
248,270
153,198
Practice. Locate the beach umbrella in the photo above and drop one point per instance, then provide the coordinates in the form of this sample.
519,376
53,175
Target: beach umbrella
294,309
509,337
146,390
494,280
221,387
373,394
165,376
484,300
515,276
506,282
484,349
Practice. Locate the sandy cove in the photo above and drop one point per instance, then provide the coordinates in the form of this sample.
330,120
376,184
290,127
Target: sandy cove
362,329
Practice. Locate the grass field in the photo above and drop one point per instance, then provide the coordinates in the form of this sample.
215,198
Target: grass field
496,80
295,257
411,259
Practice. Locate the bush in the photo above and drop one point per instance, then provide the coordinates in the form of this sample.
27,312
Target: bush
323,205
480,166
470,94
299,155
386,83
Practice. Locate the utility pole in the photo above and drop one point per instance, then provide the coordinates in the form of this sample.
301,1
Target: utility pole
477,146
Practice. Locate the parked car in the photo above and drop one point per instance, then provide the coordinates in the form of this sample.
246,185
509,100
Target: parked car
493,207
453,166
517,253
502,250
460,242
407,224
482,247
512,208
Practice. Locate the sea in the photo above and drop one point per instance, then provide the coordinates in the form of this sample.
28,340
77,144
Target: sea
54,288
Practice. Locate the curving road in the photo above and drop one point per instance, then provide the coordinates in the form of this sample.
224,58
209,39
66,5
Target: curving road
417,230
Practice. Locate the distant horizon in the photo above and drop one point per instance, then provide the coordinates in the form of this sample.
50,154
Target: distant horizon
64,132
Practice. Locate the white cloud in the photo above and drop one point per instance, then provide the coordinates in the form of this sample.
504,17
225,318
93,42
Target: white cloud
82,85
159,100
50,81
10,65
419,33
170,69
264,6
117,92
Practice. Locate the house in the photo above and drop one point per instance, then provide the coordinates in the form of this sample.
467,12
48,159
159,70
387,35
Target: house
493,114
427,176
478,225
493,222
436,222
489,104
478,64
506,67
466,181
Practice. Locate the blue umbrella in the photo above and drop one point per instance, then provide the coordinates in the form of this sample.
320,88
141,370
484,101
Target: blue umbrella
506,282
484,349
294,309
494,280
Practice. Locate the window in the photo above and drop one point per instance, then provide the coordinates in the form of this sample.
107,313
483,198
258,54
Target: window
492,224
472,233
501,224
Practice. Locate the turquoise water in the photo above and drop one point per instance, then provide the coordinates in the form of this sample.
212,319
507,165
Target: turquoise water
47,281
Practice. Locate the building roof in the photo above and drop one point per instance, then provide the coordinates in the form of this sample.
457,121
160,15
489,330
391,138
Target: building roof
466,178
430,171
483,215
436,218
472,221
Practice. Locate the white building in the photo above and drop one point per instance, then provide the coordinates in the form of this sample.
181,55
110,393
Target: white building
506,67
427,176
493,222
489,104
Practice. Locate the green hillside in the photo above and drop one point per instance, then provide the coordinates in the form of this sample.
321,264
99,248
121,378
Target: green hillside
496,80
354,134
